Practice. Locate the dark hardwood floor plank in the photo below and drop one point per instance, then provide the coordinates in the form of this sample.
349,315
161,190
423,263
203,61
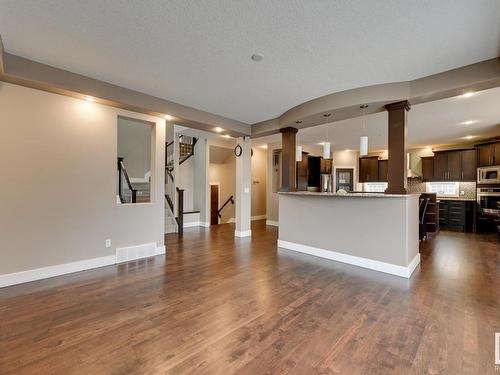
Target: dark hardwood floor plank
216,304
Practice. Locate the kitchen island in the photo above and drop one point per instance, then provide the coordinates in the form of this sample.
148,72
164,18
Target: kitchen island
371,230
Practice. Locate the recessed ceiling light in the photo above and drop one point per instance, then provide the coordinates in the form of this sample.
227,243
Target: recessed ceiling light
264,147
226,136
89,99
327,114
470,137
468,94
218,130
468,122
167,117
363,106
298,122
257,57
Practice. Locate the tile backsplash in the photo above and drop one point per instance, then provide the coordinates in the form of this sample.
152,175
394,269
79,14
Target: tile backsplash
416,185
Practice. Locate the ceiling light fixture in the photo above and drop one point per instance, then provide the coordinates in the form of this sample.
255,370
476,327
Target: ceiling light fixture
226,136
470,137
218,130
327,114
257,57
468,94
89,99
347,150
468,122
298,122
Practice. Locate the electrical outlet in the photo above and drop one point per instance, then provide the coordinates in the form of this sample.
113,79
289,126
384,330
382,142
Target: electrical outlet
108,243
462,192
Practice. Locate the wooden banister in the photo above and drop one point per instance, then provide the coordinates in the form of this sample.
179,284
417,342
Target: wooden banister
230,199
121,169
180,211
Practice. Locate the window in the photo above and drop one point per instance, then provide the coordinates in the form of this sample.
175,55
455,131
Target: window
374,187
448,189
134,161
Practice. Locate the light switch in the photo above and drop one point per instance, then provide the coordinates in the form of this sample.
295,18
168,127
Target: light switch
247,190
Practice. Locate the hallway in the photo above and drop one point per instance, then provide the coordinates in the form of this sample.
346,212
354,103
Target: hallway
220,305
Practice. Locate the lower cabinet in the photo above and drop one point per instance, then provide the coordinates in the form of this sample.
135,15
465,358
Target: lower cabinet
457,215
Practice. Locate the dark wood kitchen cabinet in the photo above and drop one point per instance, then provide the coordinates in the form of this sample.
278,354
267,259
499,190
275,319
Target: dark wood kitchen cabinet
468,165
368,169
488,154
382,170
427,168
440,166
457,165
302,172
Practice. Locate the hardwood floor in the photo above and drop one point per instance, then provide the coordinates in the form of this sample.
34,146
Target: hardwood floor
221,305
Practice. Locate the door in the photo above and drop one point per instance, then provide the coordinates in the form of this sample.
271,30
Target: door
440,166
344,179
214,204
468,165
484,153
454,169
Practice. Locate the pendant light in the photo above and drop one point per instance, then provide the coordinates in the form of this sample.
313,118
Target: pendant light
298,149
326,144
363,140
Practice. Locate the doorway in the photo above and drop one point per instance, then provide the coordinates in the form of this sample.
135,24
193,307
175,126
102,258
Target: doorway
214,204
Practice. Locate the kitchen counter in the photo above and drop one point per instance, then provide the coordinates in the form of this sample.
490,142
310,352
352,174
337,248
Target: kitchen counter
348,195
461,199
370,230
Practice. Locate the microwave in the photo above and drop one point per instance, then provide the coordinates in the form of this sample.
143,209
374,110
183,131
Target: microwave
488,175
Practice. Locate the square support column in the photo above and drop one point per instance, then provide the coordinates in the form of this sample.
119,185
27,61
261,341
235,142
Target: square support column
243,188
397,164
288,163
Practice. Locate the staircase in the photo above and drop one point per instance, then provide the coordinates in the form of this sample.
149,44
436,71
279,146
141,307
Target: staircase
173,223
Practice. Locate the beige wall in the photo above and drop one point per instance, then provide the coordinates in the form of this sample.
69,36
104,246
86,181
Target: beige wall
225,175
259,181
58,191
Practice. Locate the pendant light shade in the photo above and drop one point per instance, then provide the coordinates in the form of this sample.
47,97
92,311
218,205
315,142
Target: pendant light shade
298,153
326,150
363,145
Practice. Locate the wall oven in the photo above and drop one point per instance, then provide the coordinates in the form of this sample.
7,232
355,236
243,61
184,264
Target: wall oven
488,175
488,199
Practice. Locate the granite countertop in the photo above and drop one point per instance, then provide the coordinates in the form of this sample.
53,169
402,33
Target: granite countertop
463,199
348,195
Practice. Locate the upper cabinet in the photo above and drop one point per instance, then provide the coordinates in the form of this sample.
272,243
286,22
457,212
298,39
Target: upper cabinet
368,169
488,154
468,165
457,165
382,169
428,168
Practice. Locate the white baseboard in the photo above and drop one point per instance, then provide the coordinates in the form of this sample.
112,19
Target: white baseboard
272,223
371,264
259,217
252,218
242,233
196,224
62,269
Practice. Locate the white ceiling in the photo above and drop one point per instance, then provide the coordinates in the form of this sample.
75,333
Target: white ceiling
197,53
429,124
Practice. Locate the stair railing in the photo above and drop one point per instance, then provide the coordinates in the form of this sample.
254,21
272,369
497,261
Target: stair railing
180,211
123,171
230,199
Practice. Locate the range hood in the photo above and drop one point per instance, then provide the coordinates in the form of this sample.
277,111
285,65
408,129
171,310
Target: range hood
413,165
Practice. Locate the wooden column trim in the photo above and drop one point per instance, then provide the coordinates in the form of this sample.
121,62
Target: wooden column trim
397,163
288,164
